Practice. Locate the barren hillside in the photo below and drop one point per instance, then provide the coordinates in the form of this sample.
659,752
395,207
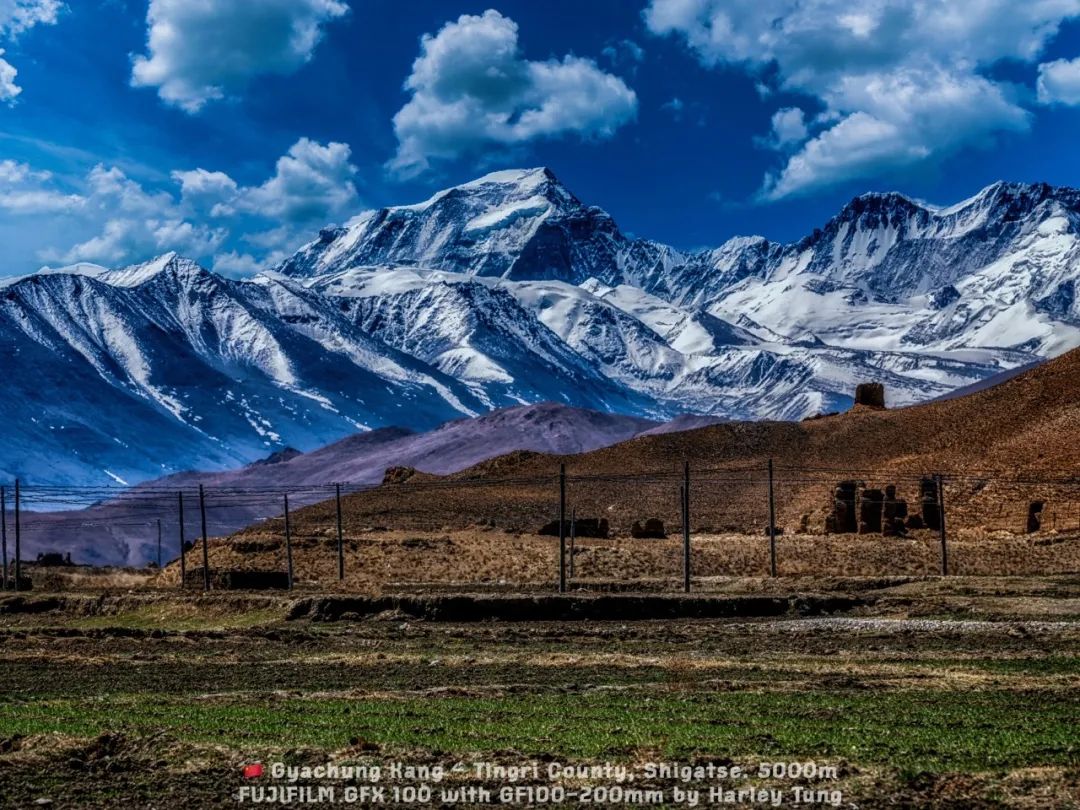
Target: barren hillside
999,449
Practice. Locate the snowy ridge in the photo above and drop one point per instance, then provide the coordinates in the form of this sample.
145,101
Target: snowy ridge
509,290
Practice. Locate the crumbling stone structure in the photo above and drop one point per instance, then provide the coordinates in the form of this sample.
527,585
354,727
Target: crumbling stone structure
653,529
870,508
894,512
931,503
1034,516
843,519
878,512
582,527
870,395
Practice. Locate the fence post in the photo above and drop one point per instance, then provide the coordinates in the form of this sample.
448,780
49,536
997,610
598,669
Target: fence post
18,538
941,520
772,524
205,552
573,536
562,528
183,562
686,526
288,542
340,537
3,529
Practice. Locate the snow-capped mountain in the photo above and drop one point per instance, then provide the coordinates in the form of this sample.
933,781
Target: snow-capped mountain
154,368
924,299
510,224
510,290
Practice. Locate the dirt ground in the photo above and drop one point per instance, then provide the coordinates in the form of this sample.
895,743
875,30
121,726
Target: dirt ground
911,691
486,557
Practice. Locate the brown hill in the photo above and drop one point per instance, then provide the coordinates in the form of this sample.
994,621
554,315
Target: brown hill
999,448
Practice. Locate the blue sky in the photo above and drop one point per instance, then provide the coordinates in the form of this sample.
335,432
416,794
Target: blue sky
232,131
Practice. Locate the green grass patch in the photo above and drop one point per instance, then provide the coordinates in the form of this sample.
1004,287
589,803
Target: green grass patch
905,729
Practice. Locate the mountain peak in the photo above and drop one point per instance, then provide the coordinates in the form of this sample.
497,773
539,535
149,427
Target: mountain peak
517,177
879,201
171,263
517,221
497,187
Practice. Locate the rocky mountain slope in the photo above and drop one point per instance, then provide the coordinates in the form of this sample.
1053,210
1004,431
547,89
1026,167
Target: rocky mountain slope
122,529
510,290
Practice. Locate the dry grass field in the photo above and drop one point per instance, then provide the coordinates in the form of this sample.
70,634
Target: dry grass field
388,560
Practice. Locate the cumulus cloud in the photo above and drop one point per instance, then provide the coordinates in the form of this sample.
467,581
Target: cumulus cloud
136,223
207,191
788,128
900,80
1059,82
312,182
123,240
8,89
17,17
237,265
204,50
110,218
471,86
25,191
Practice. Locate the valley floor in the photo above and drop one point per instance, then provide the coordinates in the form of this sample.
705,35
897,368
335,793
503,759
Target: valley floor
953,692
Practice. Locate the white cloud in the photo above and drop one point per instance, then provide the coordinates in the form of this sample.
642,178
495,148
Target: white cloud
900,80
900,119
204,50
109,218
17,17
788,128
207,191
134,223
8,89
312,183
236,265
25,191
1059,82
124,240
471,86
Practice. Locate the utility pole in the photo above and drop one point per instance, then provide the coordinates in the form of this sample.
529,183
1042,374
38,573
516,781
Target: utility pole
562,528
686,526
205,552
159,544
941,520
288,543
183,564
573,535
18,538
772,524
340,537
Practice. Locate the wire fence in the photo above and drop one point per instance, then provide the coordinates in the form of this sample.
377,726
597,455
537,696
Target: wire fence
557,528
